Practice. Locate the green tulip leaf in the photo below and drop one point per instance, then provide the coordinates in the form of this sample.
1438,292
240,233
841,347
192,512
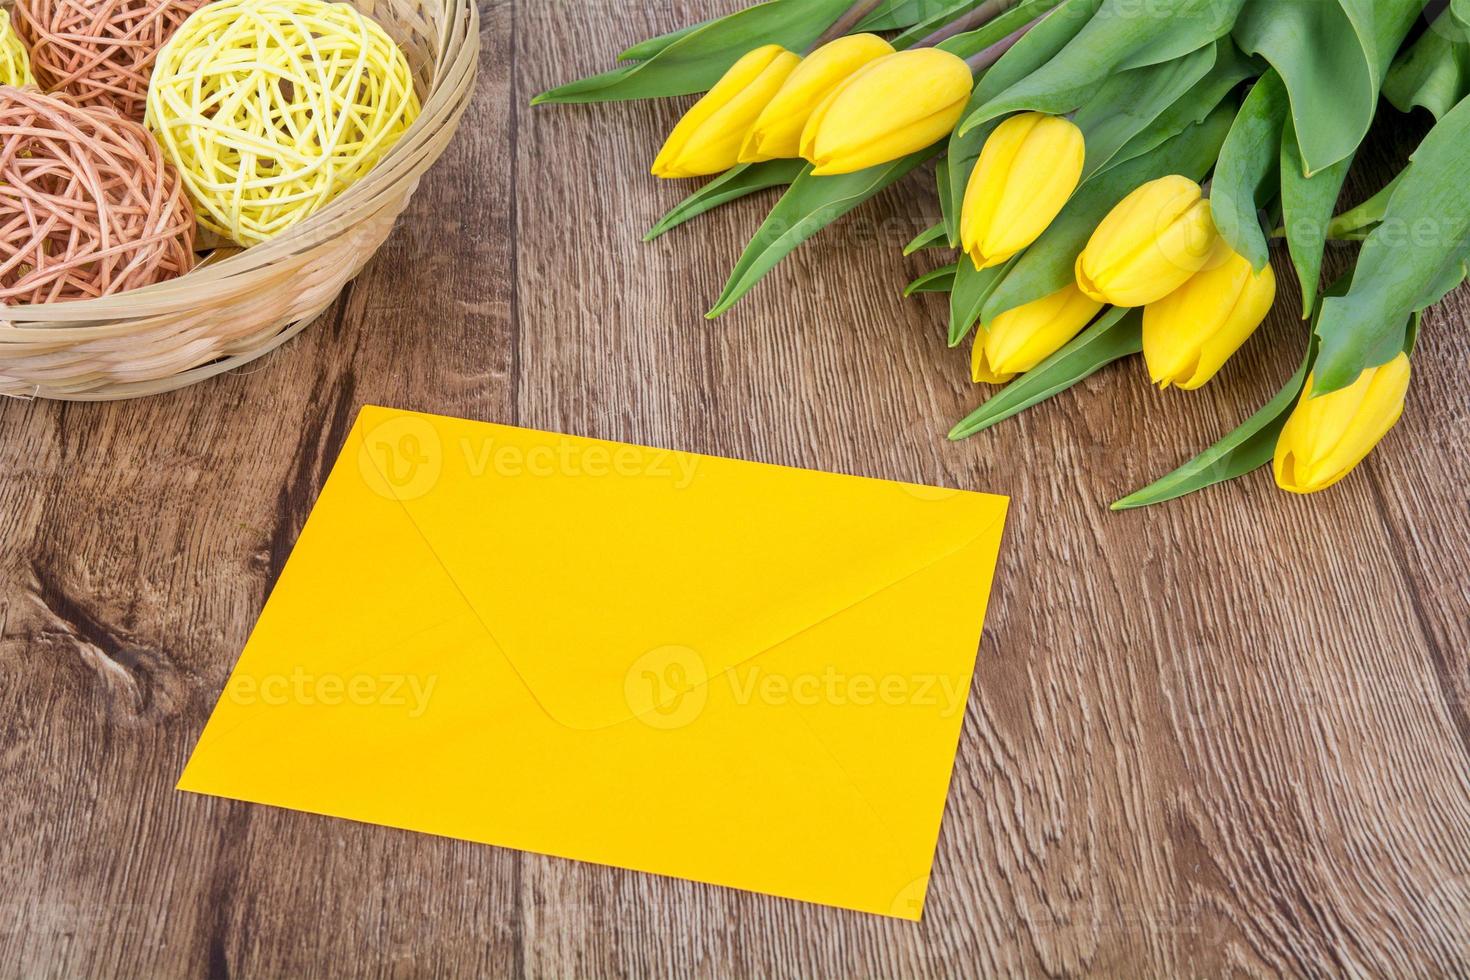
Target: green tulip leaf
1249,447
948,209
972,287
694,61
895,15
1119,36
967,44
1036,48
1381,27
1307,204
1423,239
1050,263
1204,22
733,184
1433,72
644,50
1249,164
935,236
940,280
1131,101
1230,69
1243,451
1332,55
936,15
1117,334
1449,278
809,205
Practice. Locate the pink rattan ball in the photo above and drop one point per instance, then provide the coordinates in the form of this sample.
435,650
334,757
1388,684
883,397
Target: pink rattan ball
88,206
99,51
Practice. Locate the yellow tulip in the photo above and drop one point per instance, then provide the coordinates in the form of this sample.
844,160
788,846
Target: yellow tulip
1027,170
889,108
1190,334
1017,341
707,140
1326,437
1149,245
777,132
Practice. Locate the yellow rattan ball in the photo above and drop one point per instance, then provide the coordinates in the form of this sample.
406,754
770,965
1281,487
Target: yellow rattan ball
15,63
271,108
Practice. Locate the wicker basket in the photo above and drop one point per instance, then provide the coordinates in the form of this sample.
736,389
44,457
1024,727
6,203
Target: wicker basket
238,305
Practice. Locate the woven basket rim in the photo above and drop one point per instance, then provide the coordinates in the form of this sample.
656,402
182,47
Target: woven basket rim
455,63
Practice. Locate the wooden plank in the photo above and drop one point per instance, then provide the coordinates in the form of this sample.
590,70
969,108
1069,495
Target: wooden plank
1188,744
1227,734
140,541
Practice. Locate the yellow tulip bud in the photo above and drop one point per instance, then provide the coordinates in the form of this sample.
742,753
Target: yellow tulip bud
1326,437
889,108
1027,171
707,140
1190,334
1149,245
1018,340
777,132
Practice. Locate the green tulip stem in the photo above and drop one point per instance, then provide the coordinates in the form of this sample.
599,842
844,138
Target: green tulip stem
1367,214
1357,224
985,59
846,22
976,18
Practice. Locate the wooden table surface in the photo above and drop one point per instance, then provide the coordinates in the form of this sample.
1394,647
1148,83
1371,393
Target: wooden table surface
1227,735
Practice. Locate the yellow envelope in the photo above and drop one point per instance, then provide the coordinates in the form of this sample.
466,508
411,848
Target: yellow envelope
731,672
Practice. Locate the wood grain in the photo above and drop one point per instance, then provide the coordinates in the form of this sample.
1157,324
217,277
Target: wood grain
1229,735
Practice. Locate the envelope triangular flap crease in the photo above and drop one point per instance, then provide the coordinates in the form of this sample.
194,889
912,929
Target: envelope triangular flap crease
709,554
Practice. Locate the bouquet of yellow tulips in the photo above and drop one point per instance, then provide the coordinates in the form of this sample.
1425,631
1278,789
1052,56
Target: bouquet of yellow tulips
1110,176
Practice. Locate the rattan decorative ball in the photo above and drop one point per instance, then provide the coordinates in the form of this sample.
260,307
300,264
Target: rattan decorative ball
271,108
88,206
100,52
15,62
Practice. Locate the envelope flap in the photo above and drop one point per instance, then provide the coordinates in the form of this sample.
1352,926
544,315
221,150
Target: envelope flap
587,561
